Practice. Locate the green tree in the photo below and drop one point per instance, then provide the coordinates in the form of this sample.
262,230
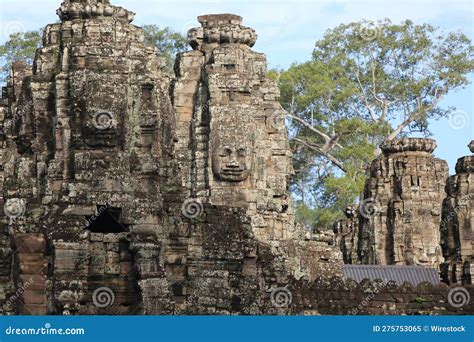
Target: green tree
366,84
21,46
168,42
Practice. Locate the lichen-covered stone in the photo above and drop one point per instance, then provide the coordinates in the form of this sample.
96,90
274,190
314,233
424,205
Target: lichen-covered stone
346,235
457,224
400,212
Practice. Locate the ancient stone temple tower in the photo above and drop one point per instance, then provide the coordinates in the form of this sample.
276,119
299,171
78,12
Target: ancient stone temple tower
233,155
88,134
401,209
239,149
457,224
169,204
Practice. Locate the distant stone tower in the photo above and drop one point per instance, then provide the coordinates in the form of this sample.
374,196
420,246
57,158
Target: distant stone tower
457,224
401,208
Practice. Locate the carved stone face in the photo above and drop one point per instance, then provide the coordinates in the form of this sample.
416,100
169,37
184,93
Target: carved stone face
229,163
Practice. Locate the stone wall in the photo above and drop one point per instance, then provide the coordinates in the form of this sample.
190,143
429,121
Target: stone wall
335,296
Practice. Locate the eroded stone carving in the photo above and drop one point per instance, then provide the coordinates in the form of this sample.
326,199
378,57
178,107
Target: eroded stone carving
346,235
230,162
406,186
457,224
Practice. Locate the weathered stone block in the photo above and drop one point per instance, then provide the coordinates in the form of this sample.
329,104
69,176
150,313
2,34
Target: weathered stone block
112,268
112,257
96,237
33,282
30,243
34,297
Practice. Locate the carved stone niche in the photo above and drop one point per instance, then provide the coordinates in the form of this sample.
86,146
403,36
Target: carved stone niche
147,133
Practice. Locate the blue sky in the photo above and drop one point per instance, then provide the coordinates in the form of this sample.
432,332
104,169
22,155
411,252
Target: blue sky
287,31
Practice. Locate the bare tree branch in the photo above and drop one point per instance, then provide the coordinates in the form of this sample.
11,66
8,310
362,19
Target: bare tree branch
364,98
323,135
412,117
326,154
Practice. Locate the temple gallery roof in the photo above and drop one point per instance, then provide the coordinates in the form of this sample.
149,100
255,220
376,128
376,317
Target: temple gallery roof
400,274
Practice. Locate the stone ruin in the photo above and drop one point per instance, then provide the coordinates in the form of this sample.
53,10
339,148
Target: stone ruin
412,213
347,235
126,191
457,223
401,206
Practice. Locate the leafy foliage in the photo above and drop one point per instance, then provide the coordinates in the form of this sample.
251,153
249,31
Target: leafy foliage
21,46
366,84
168,42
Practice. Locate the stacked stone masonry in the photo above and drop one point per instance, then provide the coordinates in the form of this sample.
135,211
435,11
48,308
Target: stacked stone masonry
401,207
457,224
412,213
128,192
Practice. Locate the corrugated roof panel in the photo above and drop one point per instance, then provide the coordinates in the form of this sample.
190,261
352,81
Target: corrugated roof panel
412,274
